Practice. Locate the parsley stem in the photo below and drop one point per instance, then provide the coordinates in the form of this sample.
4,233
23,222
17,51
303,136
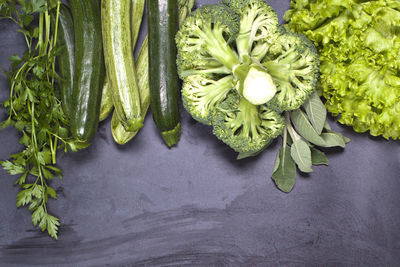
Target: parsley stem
47,26
34,141
40,42
55,150
55,39
56,26
15,78
56,136
51,147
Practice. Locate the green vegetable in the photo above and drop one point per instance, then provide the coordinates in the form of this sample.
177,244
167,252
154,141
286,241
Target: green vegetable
118,50
284,173
89,68
136,19
358,42
241,70
107,105
246,128
308,129
121,136
142,70
35,111
163,20
66,58
253,81
184,9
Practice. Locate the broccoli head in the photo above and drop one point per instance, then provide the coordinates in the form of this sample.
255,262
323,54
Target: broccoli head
258,26
201,95
240,70
245,127
293,63
203,41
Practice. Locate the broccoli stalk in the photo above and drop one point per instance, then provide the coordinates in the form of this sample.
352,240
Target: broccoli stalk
258,87
254,83
215,44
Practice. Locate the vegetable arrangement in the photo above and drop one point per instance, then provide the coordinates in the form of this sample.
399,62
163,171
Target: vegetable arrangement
359,43
253,81
242,72
80,94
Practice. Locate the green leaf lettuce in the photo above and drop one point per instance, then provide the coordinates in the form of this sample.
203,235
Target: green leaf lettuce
359,47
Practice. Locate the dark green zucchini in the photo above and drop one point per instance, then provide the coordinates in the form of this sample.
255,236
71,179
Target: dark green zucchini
66,58
89,68
163,16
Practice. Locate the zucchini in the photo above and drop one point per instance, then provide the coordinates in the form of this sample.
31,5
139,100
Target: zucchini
120,135
66,58
118,53
106,100
136,20
142,68
136,15
89,68
163,82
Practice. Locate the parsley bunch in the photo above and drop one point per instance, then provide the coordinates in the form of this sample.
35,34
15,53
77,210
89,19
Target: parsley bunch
35,110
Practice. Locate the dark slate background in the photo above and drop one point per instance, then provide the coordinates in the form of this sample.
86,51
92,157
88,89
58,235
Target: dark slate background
195,205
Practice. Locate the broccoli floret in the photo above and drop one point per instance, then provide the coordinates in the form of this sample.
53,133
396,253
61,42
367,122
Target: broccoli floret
240,70
201,95
293,63
245,127
258,26
203,41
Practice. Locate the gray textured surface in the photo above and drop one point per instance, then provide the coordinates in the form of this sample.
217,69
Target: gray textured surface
195,205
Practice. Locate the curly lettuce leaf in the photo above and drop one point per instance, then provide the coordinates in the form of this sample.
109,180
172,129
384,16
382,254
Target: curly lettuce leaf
359,47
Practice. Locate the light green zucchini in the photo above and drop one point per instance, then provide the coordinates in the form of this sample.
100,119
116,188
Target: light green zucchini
107,104
119,59
121,136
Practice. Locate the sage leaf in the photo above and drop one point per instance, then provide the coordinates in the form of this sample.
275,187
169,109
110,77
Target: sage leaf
327,126
304,127
243,155
318,157
346,139
277,163
301,154
316,112
332,139
284,174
